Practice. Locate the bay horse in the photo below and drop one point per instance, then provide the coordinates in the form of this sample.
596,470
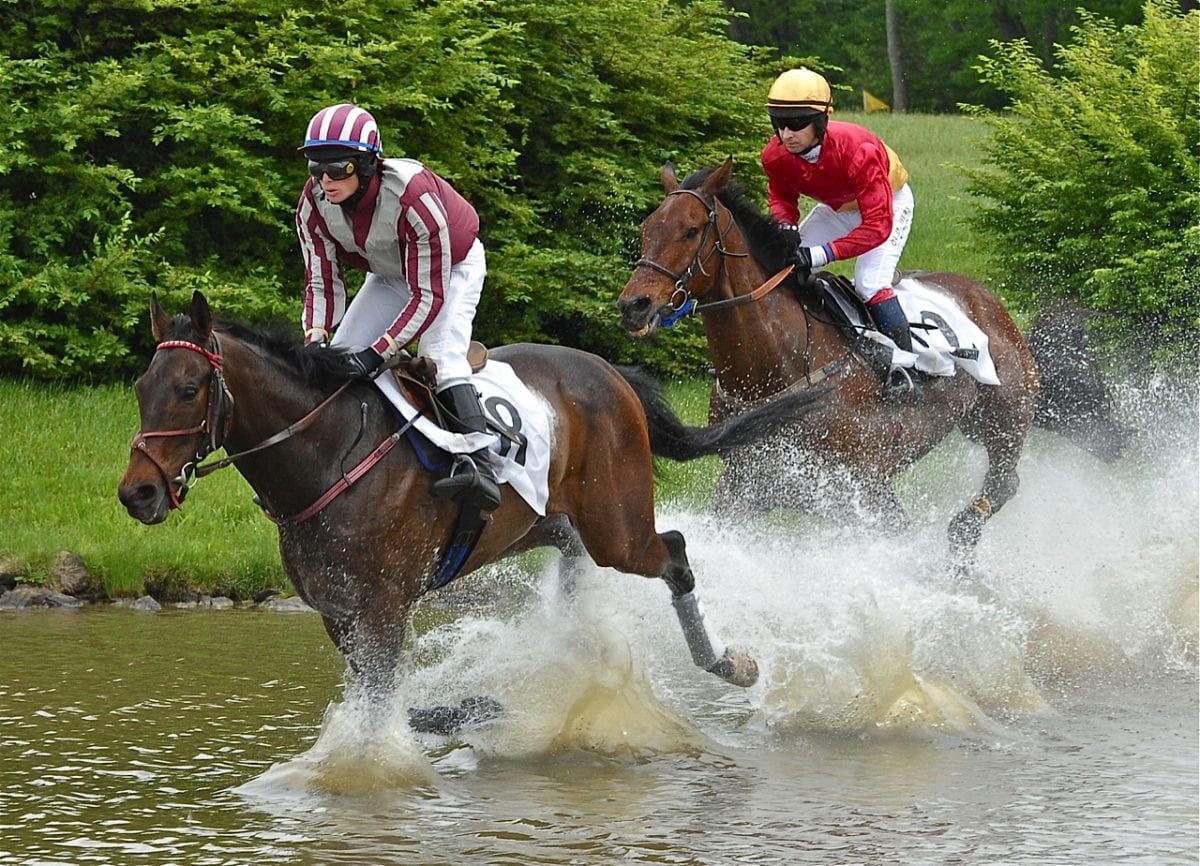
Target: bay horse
708,243
361,547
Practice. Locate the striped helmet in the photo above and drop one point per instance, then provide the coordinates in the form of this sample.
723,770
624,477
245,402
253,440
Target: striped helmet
343,126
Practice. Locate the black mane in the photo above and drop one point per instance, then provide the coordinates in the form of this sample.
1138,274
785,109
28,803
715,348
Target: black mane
769,243
315,366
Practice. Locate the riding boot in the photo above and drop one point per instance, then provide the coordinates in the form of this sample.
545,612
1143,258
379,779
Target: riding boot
891,321
472,478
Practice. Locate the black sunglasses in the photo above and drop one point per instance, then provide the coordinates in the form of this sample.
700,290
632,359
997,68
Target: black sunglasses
337,169
795,124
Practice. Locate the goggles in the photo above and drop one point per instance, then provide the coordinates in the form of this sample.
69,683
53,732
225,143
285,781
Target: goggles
337,169
797,123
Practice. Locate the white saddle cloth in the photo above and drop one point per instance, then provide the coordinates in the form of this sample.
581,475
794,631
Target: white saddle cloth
953,340
512,405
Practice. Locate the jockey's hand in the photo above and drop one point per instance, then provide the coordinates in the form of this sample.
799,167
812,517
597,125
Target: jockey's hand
363,364
807,258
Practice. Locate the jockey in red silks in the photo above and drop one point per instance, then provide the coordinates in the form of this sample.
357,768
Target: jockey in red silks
417,239
865,205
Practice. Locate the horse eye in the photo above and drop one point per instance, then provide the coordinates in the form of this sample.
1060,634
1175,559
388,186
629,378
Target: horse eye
189,392
691,233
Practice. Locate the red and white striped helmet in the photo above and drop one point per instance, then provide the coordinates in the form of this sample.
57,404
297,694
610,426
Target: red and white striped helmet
343,125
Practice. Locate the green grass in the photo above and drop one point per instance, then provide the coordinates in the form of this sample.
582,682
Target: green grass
63,451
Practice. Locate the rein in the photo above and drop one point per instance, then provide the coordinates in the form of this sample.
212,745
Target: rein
217,417
688,305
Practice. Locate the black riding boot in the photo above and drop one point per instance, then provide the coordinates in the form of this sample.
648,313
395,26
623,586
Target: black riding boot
891,320
472,478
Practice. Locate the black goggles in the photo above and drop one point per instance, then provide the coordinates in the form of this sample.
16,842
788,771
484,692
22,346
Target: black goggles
795,124
337,169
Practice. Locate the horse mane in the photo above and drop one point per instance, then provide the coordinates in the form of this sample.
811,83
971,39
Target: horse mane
768,241
314,365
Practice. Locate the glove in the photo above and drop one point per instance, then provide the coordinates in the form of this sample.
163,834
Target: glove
807,258
363,364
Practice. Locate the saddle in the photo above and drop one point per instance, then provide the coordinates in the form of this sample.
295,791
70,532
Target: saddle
416,375
843,308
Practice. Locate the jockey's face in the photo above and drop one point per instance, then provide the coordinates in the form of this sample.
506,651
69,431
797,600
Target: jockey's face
798,140
337,191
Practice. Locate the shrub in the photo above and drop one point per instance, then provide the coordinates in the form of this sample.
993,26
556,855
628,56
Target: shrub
1093,190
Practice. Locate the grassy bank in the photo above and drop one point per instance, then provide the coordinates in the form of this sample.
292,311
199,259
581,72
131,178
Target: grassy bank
63,451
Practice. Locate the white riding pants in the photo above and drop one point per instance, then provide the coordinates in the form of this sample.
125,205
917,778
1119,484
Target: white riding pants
380,300
874,269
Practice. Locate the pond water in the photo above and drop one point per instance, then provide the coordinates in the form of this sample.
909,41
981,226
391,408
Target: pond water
1045,714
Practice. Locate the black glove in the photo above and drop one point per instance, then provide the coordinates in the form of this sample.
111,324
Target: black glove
801,257
363,364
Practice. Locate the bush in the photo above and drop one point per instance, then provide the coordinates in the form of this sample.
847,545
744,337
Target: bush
156,147
1093,194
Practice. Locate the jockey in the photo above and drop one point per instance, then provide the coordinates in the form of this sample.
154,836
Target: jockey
417,239
864,207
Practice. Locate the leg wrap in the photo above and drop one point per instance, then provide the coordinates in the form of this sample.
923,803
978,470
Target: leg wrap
691,619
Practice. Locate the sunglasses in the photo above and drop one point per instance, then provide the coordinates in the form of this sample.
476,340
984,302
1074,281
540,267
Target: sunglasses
795,124
337,169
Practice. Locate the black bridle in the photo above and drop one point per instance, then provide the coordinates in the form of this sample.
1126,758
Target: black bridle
681,301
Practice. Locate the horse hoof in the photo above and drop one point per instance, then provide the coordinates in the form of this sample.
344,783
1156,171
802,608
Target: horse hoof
448,721
736,668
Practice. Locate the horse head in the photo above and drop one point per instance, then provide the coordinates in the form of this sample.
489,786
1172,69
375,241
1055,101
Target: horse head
185,409
682,252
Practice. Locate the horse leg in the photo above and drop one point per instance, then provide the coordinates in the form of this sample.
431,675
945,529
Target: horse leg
733,666
1000,484
665,555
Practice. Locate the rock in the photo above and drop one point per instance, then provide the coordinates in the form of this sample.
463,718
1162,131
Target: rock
70,576
26,596
294,604
146,602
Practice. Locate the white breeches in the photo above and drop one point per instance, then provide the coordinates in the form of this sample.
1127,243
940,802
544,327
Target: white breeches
874,269
380,300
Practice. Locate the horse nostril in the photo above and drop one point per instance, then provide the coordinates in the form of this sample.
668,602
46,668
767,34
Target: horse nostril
638,305
137,495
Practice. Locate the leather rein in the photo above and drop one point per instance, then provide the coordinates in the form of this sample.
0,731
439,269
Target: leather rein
218,416
682,303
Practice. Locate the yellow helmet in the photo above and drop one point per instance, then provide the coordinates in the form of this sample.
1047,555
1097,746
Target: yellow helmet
799,91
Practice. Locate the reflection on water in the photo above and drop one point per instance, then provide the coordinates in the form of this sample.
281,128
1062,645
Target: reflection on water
1045,715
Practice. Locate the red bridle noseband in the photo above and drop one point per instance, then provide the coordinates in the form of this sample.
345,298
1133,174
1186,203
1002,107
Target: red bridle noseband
213,426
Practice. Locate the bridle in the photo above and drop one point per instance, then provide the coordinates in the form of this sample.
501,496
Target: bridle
218,415
213,427
681,302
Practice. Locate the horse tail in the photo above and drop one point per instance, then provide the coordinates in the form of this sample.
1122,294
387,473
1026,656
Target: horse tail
1074,400
670,437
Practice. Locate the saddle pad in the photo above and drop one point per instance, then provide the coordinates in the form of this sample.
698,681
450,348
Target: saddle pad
953,339
524,465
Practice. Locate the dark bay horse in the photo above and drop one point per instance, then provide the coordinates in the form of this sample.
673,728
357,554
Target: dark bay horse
709,242
365,556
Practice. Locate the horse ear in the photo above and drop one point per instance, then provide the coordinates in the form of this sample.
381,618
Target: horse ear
719,178
160,322
669,181
201,317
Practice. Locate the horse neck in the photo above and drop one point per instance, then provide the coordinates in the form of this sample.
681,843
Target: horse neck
269,396
761,347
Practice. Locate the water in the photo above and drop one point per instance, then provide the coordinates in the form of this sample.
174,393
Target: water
1047,714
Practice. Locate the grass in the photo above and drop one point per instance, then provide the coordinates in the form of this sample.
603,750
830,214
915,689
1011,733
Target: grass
64,449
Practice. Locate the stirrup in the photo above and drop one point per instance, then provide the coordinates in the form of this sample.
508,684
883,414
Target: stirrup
900,386
468,483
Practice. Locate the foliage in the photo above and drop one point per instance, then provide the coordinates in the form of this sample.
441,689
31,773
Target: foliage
155,146
941,40
1092,185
